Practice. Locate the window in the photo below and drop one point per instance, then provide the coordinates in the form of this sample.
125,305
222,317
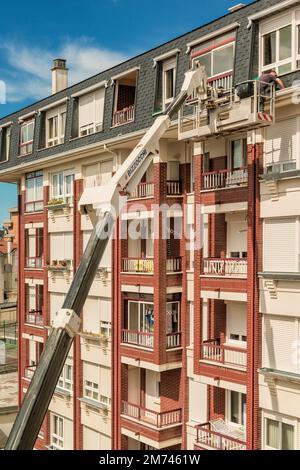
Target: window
58,431
173,317
282,146
169,81
238,152
140,316
55,126
26,140
281,245
237,408
34,303
280,42
98,174
279,435
61,247
97,316
124,99
62,185
34,191
165,83
91,110
65,380
217,55
5,134
34,248
97,383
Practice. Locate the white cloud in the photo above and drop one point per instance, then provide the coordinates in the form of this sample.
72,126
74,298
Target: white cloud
27,72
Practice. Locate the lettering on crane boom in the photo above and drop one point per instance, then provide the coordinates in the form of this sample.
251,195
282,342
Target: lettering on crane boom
137,162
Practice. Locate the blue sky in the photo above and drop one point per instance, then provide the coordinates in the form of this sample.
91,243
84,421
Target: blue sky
91,35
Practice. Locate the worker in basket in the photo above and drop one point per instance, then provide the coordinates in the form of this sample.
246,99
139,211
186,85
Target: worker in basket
266,80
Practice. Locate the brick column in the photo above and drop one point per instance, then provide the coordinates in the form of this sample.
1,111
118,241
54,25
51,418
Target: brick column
160,256
21,294
255,153
77,363
198,254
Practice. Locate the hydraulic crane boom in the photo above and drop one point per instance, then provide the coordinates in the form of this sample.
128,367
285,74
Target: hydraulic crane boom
102,201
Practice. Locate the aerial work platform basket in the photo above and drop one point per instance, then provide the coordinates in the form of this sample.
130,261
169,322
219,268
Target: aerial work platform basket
248,105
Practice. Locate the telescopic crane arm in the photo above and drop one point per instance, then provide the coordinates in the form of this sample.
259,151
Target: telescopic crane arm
104,205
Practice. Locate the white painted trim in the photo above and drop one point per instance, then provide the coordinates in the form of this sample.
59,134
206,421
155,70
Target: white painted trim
27,116
37,339
53,105
6,124
166,55
126,72
137,289
233,296
269,11
89,89
212,35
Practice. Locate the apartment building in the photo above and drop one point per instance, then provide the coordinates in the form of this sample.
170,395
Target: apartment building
9,267
182,345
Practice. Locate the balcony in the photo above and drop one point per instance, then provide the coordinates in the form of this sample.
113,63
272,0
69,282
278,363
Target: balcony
223,179
208,438
123,116
223,355
146,265
146,340
32,262
225,267
29,372
151,418
35,318
143,190
138,338
174,188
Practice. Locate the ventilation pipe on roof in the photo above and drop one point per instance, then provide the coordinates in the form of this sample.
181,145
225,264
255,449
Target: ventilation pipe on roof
59,75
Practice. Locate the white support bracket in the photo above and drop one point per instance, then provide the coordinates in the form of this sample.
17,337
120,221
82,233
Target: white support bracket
67,319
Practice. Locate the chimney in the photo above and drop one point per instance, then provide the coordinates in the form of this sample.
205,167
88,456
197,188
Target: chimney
59,75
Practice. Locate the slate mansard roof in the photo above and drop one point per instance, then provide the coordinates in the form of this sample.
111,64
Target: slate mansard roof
246,66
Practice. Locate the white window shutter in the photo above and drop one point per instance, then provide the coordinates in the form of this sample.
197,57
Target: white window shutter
86,110
281,142
106,169
276,23
90,372
91,315
92,175
280,245
279,336
105,309
105,381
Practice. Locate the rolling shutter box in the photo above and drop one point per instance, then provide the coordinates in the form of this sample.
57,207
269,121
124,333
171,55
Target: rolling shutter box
280,245
281,142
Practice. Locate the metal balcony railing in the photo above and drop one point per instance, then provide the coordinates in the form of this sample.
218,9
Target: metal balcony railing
173,340
150,417
138,265
35,318
211,350
29,371
224,179
226,267
174,188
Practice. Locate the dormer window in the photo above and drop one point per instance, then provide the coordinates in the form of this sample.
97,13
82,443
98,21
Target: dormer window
217,55
91,111
5,134
26,138
124,101
55,126
280,42
165,83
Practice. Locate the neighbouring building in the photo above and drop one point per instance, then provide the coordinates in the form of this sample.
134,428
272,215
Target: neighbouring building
179,348
9,268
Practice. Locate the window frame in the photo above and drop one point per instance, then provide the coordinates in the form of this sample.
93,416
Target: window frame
38,204
167,65
280,419
93,127
28,144
61,114
68,197
64,382
141,314
294,59
57,438
241,418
